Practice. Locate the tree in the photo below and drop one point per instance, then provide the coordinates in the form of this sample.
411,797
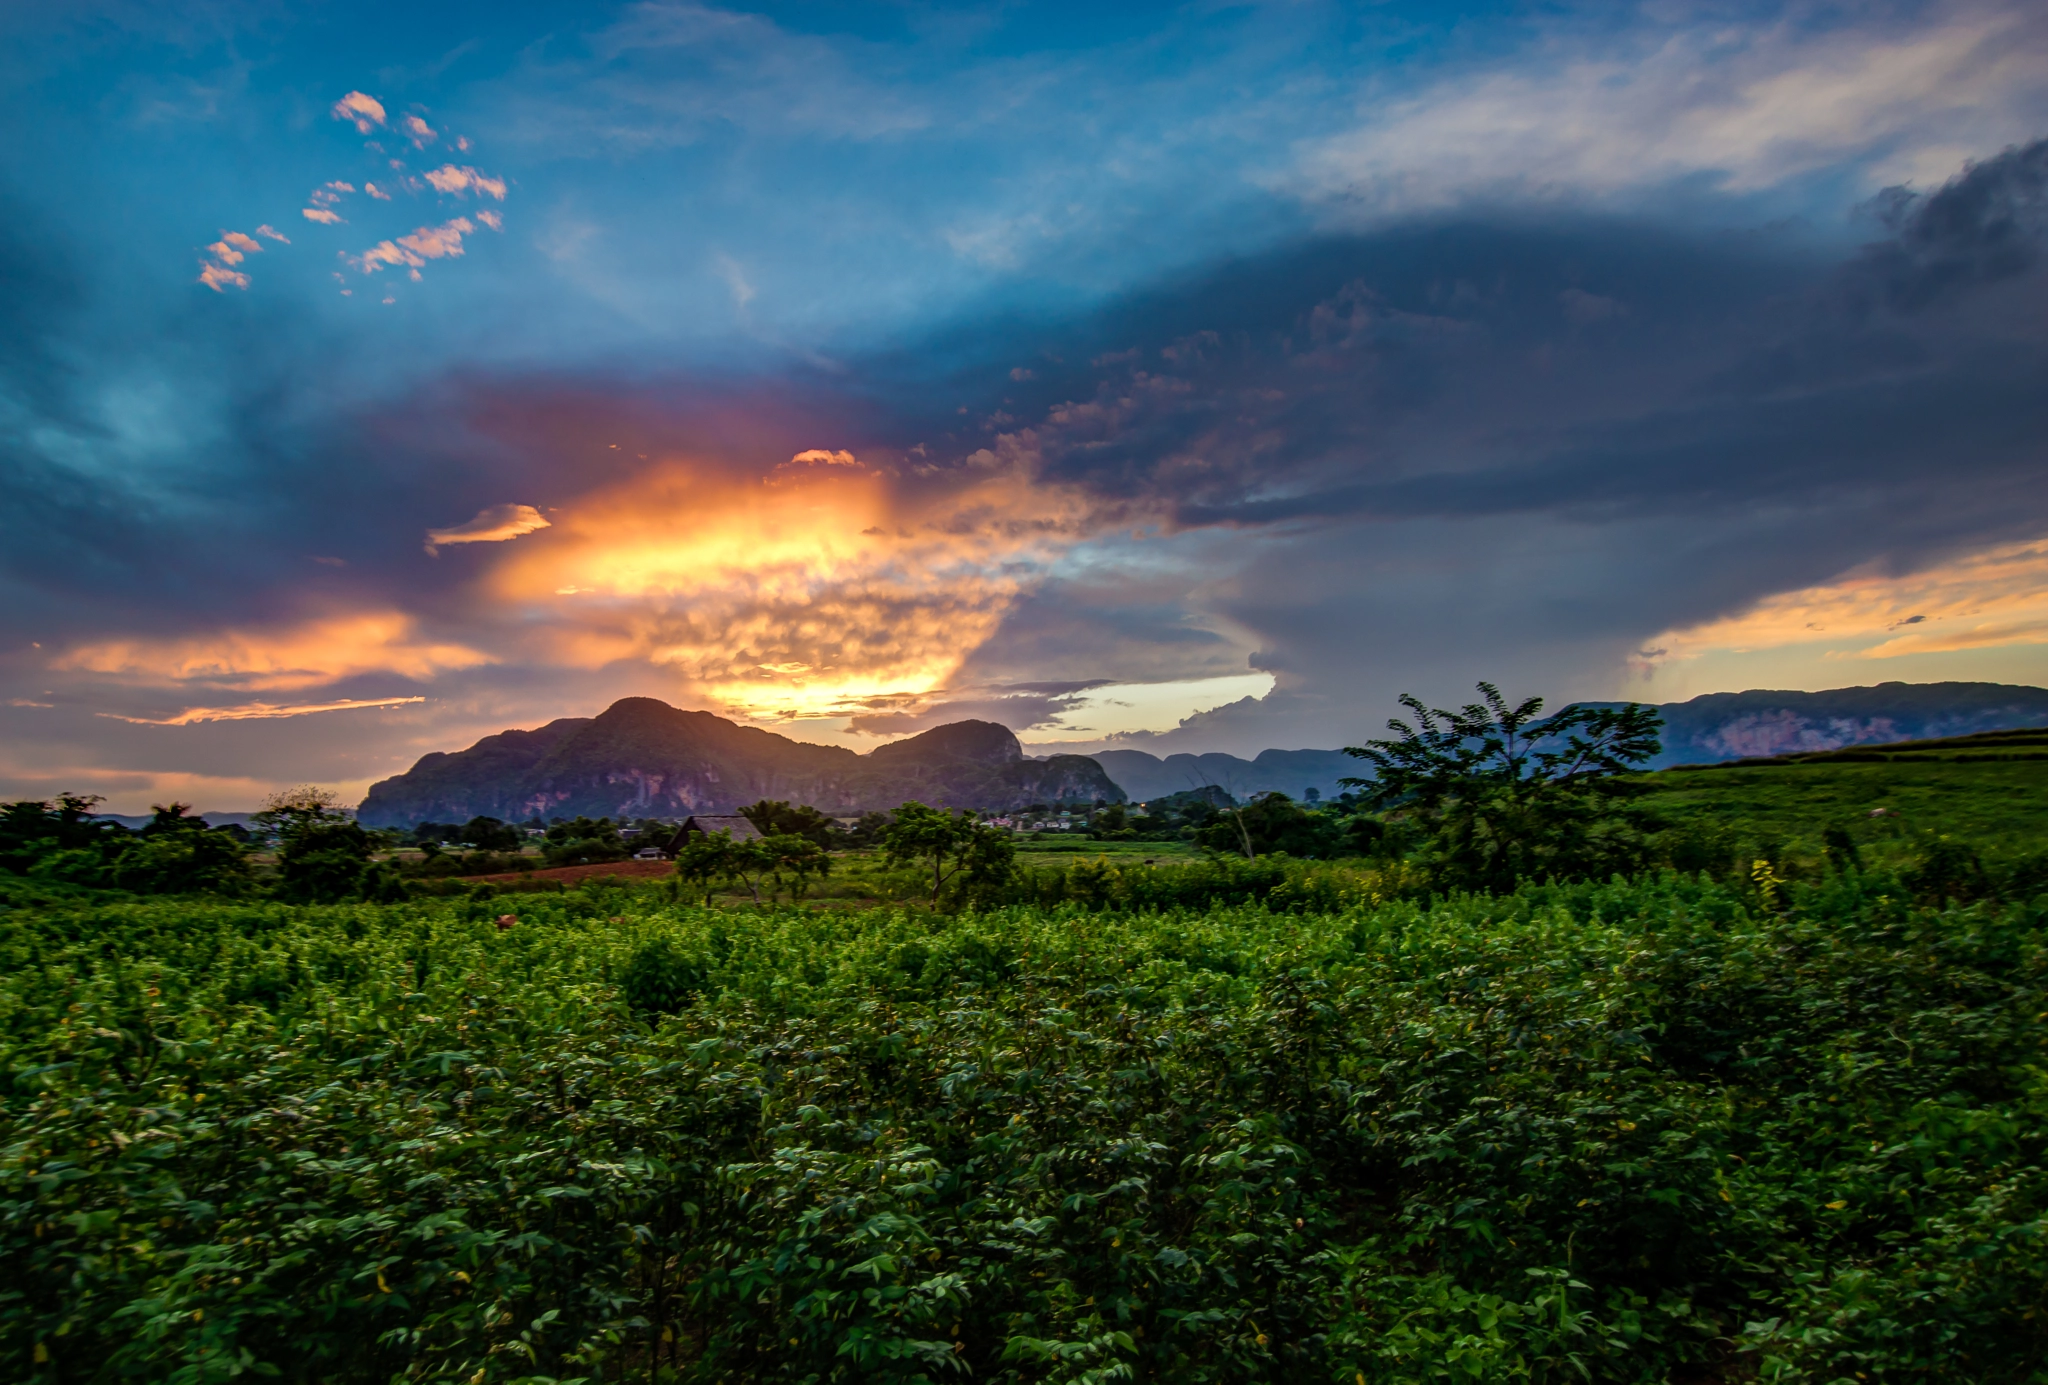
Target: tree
583,841
176,853
771,817
322,851
959,849
1508,793
1272,822
490,834
705,857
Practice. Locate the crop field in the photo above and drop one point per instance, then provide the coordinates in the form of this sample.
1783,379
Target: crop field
1140,1115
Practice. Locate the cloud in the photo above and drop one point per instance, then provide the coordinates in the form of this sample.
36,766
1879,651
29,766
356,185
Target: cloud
1983,226
1745,107
1982,600
323,199
215,276
840,584
270,233
449,179
278,658
417,131
491,219
240,242
426,243
261,711
493,525
365,112
373,190
820,457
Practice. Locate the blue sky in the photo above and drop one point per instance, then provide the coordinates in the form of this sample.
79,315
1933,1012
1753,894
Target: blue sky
1203,376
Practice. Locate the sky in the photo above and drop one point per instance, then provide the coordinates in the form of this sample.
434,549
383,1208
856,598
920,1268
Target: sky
1180,377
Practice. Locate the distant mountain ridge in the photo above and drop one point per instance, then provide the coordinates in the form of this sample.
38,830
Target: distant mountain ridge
643,758
1705,730
1735,726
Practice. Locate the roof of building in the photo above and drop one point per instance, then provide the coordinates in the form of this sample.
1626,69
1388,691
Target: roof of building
711,824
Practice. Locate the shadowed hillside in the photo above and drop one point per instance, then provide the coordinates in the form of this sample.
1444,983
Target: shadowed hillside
644,758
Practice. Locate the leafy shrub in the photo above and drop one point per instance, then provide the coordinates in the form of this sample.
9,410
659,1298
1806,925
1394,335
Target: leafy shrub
659,979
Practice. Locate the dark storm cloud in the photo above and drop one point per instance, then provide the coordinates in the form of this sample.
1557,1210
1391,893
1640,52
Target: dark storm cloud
1984,226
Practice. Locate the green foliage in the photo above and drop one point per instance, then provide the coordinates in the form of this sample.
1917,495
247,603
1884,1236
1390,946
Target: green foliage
1273,822
954,848
1509,795
659,979
1639,1132
173,854
583,841
490,834
772,818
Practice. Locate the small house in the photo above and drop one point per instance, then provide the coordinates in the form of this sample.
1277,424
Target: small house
710,825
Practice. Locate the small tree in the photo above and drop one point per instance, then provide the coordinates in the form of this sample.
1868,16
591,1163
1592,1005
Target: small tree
1507,792
958,849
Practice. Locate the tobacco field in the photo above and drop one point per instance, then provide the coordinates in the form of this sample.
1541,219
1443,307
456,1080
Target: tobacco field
1672,1130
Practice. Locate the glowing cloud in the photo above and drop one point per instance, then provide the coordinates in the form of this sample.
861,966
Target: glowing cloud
215,276
366,112
272,233
495,525
456,181
807,596
427,243
278,659
491,219
417,131
255,711
1994,598
323,199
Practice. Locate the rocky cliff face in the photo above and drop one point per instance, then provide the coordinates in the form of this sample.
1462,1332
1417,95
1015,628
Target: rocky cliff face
644,758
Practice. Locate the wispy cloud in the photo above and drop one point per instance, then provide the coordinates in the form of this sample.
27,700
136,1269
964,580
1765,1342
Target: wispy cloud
366,112
494,525
417,130
217,272
454,181
272,233
283,658
261,711
1743,107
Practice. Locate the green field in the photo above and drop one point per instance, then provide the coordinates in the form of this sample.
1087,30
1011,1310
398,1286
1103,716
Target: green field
1193,1121
1999,805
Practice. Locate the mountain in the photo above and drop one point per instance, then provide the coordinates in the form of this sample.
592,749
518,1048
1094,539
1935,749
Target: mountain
1292,772
1735,726
643,758
1705,730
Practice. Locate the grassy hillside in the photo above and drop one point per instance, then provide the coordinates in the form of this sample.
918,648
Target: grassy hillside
1991,790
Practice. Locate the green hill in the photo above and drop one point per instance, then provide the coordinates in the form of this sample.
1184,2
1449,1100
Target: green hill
1990,788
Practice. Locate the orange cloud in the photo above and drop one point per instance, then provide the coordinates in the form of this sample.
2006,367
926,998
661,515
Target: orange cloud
366,112
215,276
279,659
417,131
1986,600
801,597
376,192
491,219
494,525
321,215
427,243
456,181
271,233
253,711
